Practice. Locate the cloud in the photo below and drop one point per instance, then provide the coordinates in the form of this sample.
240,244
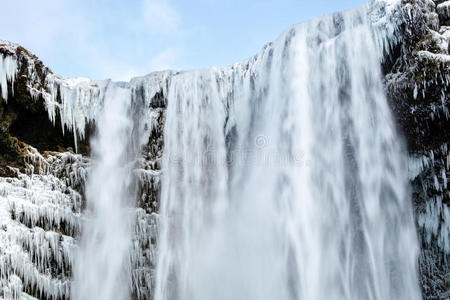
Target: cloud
39,25
160,17
96,39
166,59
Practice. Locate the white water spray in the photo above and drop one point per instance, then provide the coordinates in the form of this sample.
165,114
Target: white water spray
284,177
101,271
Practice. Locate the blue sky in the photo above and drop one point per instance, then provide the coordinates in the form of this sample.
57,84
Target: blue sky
120,39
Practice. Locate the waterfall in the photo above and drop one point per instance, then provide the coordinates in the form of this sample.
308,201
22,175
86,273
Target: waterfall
284,176
102,270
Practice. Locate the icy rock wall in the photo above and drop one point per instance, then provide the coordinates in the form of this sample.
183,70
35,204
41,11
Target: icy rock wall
40,214
417,77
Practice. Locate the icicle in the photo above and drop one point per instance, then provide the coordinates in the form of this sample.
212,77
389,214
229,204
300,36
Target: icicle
8,70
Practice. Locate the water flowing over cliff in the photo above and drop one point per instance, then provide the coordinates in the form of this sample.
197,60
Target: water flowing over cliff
101,268
283,179
316,169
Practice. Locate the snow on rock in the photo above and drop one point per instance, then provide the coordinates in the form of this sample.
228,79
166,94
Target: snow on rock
444,58
443,10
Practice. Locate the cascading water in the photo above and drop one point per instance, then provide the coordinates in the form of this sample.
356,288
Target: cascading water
284,177
102,269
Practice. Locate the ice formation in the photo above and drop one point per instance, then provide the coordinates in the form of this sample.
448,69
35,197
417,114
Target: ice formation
8,69
40,215
435,216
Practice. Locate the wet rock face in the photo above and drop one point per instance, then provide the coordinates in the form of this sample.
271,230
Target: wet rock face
417,77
